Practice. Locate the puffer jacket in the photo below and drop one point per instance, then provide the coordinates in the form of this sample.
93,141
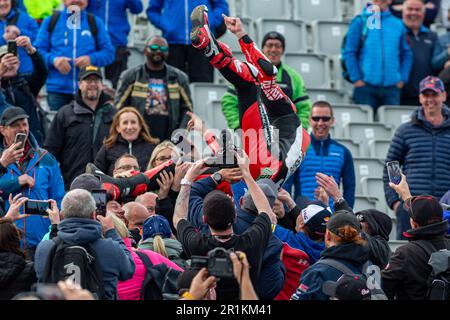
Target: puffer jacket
424,155
406,275
385,59
352,255
139,148
111,253
173,17
16,275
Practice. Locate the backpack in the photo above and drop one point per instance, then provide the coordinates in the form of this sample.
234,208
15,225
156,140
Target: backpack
91,21
364,29
160,282
370,272
76,263
439,278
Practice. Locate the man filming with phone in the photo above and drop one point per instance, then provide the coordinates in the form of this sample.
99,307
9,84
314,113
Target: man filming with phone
421,148
36,174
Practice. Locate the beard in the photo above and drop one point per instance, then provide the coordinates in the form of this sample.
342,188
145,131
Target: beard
91,95
156,59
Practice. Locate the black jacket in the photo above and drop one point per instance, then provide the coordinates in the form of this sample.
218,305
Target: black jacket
16,275
77,133
139,148
22,91
407,273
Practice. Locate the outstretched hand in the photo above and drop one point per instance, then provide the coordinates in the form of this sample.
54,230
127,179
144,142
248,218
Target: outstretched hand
234,25
402,188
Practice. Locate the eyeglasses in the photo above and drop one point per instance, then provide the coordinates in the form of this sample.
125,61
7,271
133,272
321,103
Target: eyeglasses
163,159
324,119
273,45
155,47
128,167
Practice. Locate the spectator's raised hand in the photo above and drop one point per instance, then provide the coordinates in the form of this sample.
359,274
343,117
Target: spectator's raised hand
286,199
181,168
11,155
196,169
231,175
196,124
14,207
402,188
201,284
243,161
241,270
53,212
234,25
8,62
329,185
164,181
107,222
321,195
62,64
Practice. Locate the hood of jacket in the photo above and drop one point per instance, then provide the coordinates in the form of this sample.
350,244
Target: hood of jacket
379,222
173,247
11,265
79,231
350,252
435,230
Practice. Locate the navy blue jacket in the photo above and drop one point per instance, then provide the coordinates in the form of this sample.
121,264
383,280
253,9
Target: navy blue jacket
328,157
352,255
424,154
113,13
173,17
428,59
272,274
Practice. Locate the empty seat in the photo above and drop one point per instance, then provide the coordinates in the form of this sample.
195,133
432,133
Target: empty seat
293,30
367,131
367,167
214,117
395,115
315,69
331,95
364,202
373,187
233,42
203,93
309,10
345,113
266,9
328,36
379,148
355,148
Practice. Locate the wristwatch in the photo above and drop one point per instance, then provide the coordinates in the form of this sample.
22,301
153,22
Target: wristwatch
340,200
186,182
217,177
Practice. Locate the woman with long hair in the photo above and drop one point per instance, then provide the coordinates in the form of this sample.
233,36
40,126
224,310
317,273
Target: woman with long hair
128,134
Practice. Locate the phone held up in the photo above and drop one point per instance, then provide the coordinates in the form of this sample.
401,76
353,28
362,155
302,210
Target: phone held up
394,172
99,196
37,207
20,137
12,47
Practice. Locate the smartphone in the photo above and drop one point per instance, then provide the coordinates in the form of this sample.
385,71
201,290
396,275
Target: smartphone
394,172
37,207
12,47
99,196
20,137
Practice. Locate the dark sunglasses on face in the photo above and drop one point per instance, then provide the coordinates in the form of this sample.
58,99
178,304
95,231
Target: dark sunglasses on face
155,47
324,119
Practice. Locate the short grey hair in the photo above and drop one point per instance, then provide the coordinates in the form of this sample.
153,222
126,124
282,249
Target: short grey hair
78,203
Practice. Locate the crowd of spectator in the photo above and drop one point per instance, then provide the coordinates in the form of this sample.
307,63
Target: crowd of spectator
125,211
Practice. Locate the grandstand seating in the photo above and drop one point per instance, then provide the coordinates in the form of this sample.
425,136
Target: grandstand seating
395,115
309,10
315,69
336,96
328,36
294,32
204,93
266,8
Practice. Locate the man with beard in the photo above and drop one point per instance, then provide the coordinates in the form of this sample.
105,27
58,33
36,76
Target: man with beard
79,128
159,91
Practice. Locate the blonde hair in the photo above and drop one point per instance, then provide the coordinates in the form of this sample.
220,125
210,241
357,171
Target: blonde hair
120,227
113,134
160,147
159,246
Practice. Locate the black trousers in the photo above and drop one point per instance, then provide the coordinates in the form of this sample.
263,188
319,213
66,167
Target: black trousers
191,61
113,71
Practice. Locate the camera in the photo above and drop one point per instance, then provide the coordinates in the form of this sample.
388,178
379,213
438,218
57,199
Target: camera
217,262
37,207
225,157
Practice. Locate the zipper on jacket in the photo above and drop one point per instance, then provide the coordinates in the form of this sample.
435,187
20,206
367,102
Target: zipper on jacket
130,148
382,50
321,155
433,159
106,14
186,12
74,55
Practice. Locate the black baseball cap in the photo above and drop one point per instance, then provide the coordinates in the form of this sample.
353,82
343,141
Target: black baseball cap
424,210
89,70
12,114
347,287
342,218
274,35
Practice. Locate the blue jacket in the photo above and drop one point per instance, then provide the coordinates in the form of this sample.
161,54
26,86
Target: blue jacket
385,57
424,155
113,13
428,59
352,255
328,157
173,17
49,184
300,241
113,257
272,274
28,27
72,43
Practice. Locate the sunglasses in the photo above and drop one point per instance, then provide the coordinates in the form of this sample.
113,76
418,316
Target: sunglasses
324,119
155,47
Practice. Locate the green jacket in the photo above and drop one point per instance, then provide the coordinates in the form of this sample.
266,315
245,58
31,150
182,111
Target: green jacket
41,9
292,84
